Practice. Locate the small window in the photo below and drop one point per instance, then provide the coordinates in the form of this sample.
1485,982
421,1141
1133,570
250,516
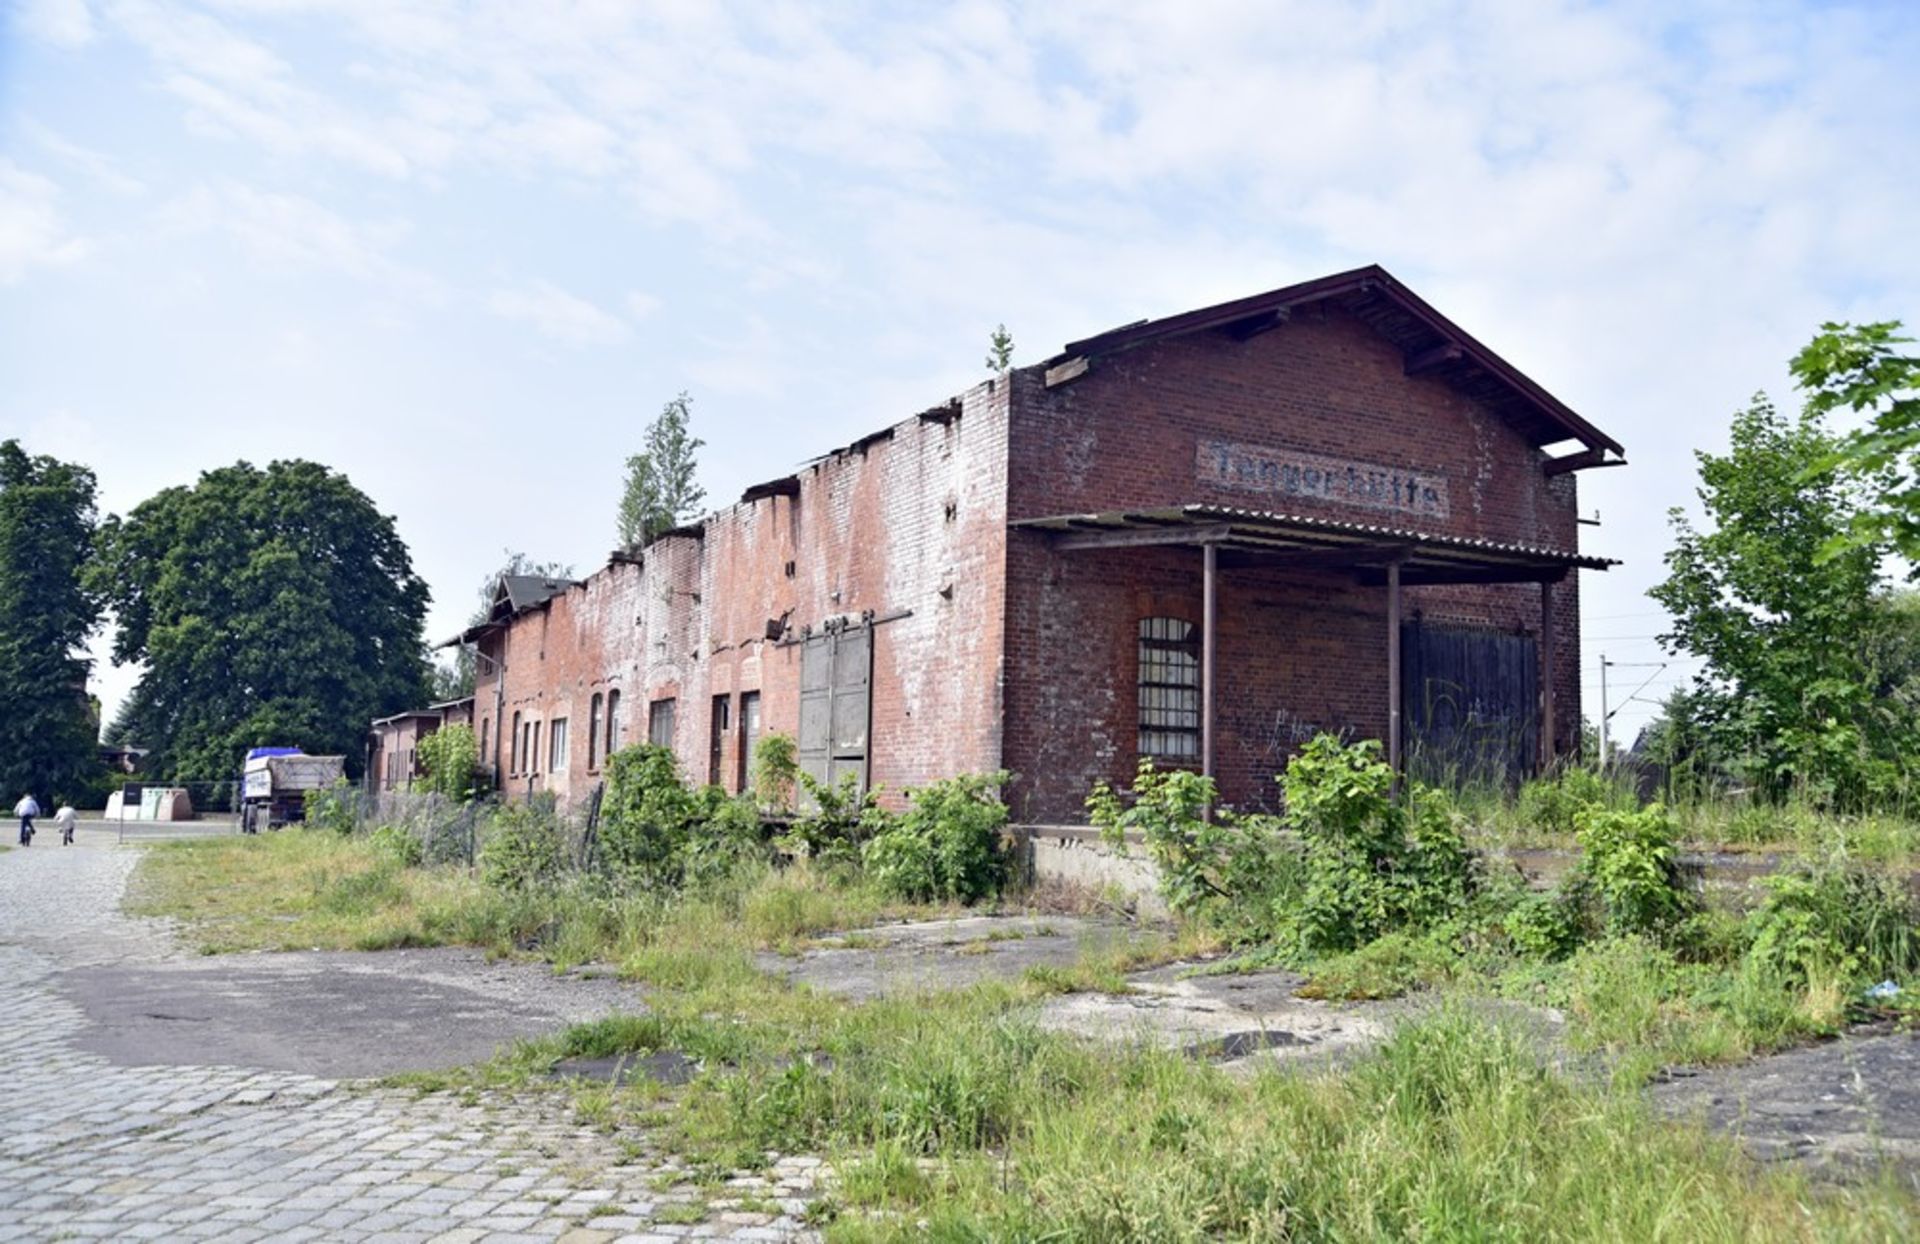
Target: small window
660,723
533,747
593,733
514,742
486,736
557,745
613,722
1169,689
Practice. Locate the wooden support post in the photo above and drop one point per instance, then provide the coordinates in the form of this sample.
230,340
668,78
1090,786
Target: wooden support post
1393,671
1210,555
1548,638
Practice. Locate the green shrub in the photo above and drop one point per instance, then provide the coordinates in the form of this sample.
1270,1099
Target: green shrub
776,773
1547,926
1237,872
1632,864
1372,865
1384,968
725,836
451,758
1836,920
646,818
397,845
521,850
946,845
1553,804
838,823
335,808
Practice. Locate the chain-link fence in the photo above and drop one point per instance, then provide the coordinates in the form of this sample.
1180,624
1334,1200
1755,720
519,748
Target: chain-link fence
453,831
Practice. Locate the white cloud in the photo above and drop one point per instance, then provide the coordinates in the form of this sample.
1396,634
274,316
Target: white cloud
553,312
100,169
641,304
63,23
33,233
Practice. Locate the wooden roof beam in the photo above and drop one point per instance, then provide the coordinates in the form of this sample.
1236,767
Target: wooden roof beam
1254,325
1421,361
1586,459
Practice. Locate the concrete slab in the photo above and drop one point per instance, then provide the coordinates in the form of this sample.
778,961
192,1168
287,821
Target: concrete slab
892,960
1239,1020
332,1014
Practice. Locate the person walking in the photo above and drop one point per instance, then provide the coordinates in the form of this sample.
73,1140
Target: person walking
65,818
26,810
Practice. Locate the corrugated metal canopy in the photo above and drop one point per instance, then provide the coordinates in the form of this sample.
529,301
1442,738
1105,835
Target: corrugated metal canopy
1316,542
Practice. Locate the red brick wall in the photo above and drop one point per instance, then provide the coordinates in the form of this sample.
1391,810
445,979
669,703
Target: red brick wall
1298,652
910,528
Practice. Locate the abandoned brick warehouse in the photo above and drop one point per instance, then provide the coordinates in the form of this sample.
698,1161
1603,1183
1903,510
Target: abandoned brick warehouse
1202,538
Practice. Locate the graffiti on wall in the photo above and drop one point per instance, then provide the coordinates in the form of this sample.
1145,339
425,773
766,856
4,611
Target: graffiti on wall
1288,473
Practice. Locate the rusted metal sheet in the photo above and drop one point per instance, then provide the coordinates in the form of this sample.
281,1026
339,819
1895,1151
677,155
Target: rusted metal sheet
1470,703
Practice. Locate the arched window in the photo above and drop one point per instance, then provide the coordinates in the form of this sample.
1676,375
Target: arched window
613,722
593,732
513,746
1169,689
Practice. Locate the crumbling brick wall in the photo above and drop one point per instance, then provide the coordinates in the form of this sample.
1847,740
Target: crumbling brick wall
908,527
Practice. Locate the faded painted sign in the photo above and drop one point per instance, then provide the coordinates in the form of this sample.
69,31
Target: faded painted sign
1289,473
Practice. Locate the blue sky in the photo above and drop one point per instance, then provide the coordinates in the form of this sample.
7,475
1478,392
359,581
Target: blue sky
464,251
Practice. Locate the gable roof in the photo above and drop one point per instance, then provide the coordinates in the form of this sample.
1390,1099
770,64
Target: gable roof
1431,343
524,591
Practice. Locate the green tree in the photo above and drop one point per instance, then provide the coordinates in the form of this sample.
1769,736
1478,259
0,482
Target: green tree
1785,630
274,606
1000,350
1862,368
452,679
47,529
661,492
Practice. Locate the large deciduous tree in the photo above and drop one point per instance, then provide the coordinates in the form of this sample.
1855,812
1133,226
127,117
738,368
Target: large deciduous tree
1789,629
48,741
1863,368
269,607
661,492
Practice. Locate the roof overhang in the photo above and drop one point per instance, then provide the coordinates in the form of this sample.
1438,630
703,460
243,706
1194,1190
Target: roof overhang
433,714
1310,542
1430,344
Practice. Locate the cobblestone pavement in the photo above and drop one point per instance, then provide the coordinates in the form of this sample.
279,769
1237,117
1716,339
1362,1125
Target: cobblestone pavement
95,1150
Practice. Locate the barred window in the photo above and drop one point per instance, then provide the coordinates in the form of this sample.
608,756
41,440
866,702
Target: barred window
1169,689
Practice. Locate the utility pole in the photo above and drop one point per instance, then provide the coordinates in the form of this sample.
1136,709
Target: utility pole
1604,714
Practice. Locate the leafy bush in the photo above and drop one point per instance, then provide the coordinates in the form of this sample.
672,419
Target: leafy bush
451,757
397,845
1372,865
522,848
1553,804
947,844
1547,926
842,818
1630,860
1835,920
1384,968
336,808
1238,872
776,771
646,817
725,836
1357,864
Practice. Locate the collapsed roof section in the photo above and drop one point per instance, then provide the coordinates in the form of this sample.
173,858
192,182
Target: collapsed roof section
513,595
